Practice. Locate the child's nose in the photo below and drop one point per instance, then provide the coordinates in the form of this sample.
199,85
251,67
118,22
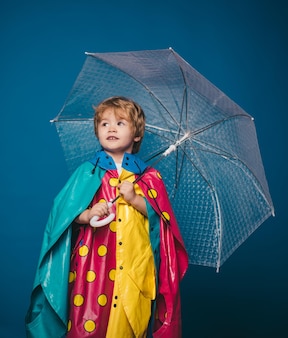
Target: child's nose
112,127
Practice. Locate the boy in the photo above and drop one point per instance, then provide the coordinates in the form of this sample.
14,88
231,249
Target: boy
123,277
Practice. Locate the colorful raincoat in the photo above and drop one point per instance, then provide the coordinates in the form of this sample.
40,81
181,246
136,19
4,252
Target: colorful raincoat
48,314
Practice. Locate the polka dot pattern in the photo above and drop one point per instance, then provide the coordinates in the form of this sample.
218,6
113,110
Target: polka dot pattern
112,274
152,193
102,300
83,250
89,326
102,250
78,300
90,276
165,215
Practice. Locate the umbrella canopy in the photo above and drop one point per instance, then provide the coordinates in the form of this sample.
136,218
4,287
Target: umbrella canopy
213,173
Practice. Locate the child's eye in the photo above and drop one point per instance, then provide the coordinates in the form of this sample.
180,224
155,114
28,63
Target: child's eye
121,123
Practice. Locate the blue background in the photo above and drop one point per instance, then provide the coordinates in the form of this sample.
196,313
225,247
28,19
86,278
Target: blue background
240,46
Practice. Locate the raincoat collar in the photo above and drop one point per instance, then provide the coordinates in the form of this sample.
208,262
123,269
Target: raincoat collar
130,162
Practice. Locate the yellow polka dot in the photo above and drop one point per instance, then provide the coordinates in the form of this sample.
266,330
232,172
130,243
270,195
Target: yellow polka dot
83,250
69,325
113,182
102,250
152,193
112,226
90,276
159,175
112,274
102,300
72,276
166,216
102,200
78,300
89,325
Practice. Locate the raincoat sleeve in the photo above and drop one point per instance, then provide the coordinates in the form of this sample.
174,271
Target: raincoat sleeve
173,259
47,314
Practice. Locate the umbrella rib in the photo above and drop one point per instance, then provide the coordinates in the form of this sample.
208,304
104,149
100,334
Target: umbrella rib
161,129
217,206
216,150
56,119
184,104
230,157
215,123
256,183
196,167
184,98
141,83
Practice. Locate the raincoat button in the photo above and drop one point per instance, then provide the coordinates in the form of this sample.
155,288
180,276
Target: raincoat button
120,243
114,305
121,267
119,219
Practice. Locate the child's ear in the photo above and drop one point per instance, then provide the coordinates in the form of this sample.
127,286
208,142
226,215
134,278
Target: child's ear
137,138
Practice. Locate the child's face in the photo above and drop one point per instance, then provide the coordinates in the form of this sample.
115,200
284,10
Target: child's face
115,133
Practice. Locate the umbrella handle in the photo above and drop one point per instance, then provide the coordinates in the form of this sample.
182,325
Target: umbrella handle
95,223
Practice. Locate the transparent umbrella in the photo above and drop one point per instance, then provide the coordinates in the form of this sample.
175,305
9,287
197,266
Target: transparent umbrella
211,165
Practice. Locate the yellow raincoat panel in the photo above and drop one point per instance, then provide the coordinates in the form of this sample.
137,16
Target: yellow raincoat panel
135,279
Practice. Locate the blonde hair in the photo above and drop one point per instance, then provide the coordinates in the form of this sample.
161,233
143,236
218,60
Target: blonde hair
132,109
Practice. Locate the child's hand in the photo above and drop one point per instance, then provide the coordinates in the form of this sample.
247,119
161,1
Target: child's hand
98,209
126,190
